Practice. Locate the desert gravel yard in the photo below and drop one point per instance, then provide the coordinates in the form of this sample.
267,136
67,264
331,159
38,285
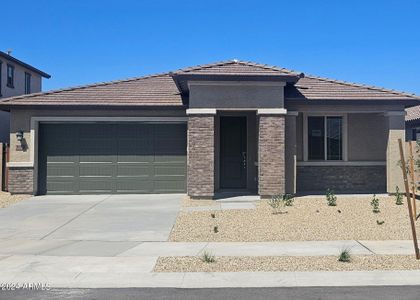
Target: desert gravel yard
7,199
286,263
310,218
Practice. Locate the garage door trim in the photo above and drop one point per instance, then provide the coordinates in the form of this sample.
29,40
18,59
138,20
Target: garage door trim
35,121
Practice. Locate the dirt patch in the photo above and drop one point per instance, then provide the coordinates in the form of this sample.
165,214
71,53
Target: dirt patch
308,219
6,199
286,263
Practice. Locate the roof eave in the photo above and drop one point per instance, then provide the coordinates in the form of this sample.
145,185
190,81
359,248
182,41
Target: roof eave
25,65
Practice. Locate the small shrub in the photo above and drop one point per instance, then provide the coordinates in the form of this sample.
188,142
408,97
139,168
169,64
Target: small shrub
379,222
288,200
276,202
331,198
213,215
398,196
345,255
216,229
375,204
208,257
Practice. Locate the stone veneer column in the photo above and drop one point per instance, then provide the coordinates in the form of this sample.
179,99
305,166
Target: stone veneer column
200,177
271,152
21,180
396,130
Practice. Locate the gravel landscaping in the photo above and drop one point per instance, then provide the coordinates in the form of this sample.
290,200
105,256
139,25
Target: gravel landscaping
310,218
286,263
6,199
188,202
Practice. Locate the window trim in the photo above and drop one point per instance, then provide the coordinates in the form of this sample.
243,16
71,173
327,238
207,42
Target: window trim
11,85
305,136
28,84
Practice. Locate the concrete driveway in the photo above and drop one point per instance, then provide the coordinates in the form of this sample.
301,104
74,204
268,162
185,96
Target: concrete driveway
103,225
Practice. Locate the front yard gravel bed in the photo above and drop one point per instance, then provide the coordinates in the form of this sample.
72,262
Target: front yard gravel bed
310,218
286,263
6,199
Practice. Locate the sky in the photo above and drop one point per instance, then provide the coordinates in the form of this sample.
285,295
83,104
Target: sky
85,41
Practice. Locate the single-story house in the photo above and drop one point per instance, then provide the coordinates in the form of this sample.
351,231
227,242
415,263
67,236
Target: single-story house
230,126
412,123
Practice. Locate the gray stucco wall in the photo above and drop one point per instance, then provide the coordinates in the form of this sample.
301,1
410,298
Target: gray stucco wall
367,137
229,95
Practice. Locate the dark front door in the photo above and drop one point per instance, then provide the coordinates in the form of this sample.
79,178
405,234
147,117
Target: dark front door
233,152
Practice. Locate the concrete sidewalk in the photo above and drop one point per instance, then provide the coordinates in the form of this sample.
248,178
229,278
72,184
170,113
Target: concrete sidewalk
137,249
78,264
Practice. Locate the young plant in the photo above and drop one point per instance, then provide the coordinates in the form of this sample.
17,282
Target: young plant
331,198
398,196
208,257
375,204
213,215
276,202
379,222
288,200
216,229
344,255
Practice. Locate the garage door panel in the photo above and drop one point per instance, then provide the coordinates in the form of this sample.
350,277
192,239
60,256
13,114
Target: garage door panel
55,186
165,159
166,170
135,158
64,158
135,170
134,185
96,170
169,186
89,185
61,170
112,158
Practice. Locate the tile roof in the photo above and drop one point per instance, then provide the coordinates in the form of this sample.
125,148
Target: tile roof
318,88
235,67
154,90
413,113
160,89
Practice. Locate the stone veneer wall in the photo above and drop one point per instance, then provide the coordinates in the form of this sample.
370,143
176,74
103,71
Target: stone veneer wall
200,179
21,180
342,179
271,155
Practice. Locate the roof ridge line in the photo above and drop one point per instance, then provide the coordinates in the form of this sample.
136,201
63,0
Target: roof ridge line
367,86
269,67
80,87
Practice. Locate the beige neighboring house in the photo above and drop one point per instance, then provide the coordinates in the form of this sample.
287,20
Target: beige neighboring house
209,130
16,78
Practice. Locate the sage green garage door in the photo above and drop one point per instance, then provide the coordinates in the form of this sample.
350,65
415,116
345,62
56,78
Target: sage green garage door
112,158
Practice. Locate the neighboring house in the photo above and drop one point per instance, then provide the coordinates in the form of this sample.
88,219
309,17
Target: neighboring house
412,123
222,127
16,78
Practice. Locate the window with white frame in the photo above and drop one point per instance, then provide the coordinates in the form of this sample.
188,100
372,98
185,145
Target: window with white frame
325,138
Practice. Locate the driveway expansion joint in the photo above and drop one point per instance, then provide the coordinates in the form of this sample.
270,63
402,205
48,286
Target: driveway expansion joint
75,217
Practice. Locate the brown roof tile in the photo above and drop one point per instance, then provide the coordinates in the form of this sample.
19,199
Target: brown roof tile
160,89
413,113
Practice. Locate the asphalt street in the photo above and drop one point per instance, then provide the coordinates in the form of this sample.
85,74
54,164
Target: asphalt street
342,293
